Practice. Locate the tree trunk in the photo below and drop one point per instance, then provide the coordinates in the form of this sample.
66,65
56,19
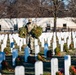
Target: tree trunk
55,16
55,20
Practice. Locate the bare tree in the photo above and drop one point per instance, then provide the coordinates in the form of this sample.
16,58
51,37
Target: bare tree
55,7
32,8
72,8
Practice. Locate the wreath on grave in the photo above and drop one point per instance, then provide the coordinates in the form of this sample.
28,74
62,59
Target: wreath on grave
23,47
72,70
59,73
65,47
48,74
40,57
19,61
6,66
49,53
57,51
72,46
31,59
7,50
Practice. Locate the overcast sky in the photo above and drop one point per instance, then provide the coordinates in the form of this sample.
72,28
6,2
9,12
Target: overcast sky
66,1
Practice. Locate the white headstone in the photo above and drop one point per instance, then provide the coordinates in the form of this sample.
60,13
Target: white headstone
54,43
24,41
45,37
0,74
42,42
18,41
2,47
36,41
39,68
59,40
49,42
65,39
67,64
37,50
19,70
73,35
59,37
54,37
11,50
54,66
68,43
54,46
61,46
62,34
20,45
74,42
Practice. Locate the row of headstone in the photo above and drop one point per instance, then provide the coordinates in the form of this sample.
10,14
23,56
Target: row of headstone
19,41
54,66
67,64
43,39
39,64
46,37
63,37
20,70
15,55
37,49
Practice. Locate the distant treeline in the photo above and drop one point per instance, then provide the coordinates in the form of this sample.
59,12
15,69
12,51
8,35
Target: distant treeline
37,8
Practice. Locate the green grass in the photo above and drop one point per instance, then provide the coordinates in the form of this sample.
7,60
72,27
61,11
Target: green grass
47,73
6,71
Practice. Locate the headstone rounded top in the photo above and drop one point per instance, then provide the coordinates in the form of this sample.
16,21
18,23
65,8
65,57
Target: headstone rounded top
66,57
38,62
46,44
20,67
26,48
54,59
15,49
